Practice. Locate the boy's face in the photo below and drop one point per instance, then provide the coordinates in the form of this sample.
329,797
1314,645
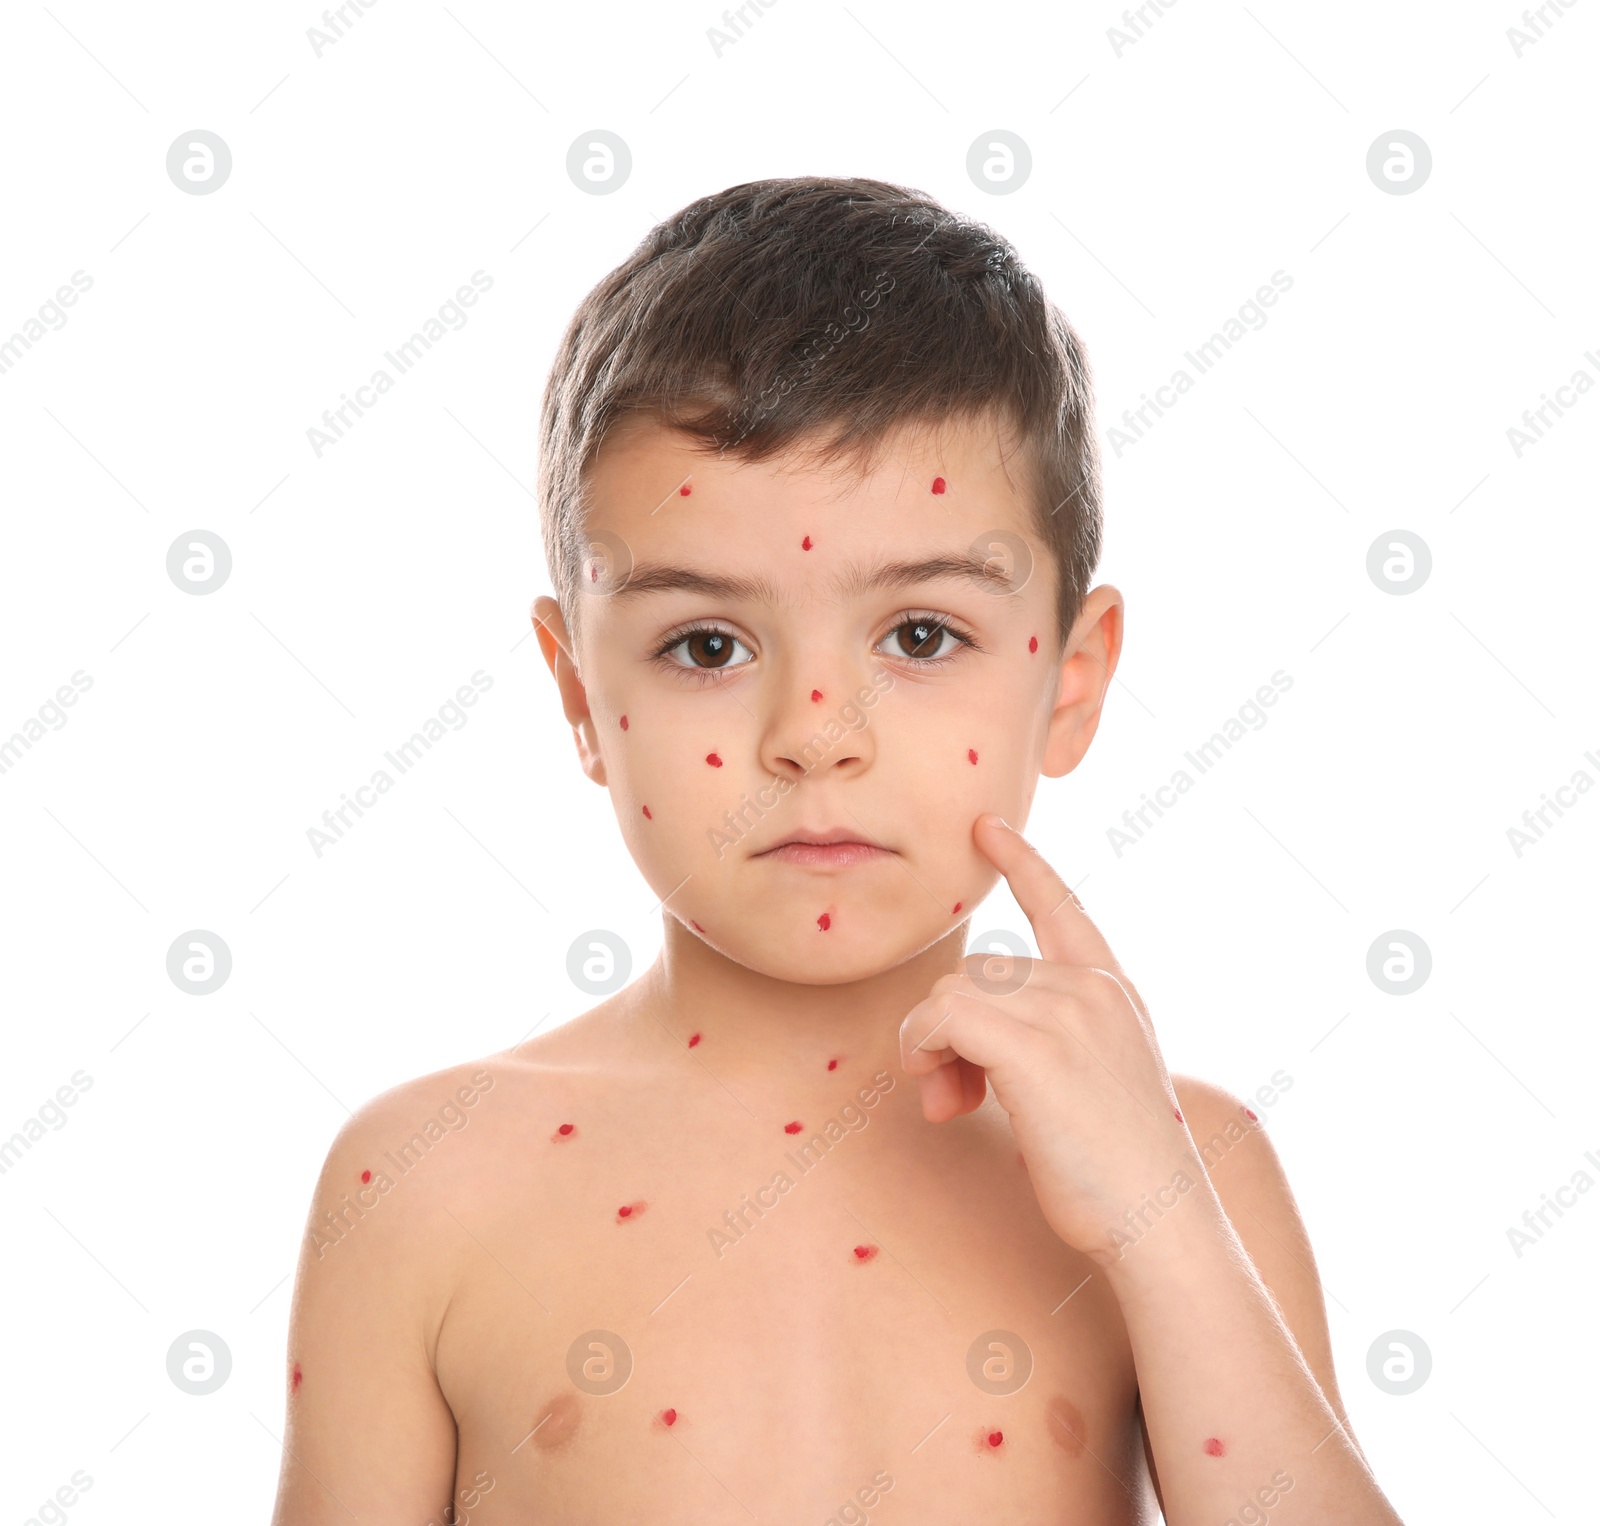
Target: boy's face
798,690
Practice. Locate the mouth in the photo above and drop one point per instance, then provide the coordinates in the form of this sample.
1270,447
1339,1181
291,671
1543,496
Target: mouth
838,848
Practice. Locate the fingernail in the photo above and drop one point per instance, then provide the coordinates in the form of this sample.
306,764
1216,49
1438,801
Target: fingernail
996,816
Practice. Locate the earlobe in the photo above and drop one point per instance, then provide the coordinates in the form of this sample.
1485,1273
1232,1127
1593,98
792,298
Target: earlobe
554,643
1086,672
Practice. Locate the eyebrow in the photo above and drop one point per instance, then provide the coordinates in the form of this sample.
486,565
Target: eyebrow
657,577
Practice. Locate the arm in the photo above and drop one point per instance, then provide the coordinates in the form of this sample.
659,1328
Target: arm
369,1435
1231,1340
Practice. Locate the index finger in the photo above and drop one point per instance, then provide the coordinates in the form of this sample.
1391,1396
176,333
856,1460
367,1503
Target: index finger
1065,932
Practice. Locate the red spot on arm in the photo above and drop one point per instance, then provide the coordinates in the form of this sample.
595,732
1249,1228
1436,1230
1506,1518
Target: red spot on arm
866,1252
833,1064
824,921
816,694
669,1416
1213,1447
938,484
972,757
805,545
294,1379
694,1038
793,1128
1033,643
713,760
624,723
366,1176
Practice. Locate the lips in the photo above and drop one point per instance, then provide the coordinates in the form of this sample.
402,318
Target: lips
836,848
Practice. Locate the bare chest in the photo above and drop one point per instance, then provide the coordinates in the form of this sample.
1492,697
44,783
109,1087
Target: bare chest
726,1335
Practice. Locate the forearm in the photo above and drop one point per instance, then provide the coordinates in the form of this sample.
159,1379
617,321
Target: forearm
1235,1416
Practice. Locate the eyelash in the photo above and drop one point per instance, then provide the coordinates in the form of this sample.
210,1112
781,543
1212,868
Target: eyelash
700,675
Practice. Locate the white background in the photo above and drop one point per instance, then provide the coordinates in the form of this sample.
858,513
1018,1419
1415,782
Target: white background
1168,183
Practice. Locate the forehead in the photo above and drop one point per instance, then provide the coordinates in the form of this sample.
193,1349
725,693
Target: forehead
881,501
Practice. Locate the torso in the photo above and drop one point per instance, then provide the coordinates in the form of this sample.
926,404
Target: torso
806,1383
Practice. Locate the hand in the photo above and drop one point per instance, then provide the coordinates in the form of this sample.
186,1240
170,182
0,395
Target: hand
1070,1050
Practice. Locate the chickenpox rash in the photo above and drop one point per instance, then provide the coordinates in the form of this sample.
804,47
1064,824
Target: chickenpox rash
793,1128
647,815
938,485
694,1038
366,1176
668,1417
683,492
1176,1114
824,921
624,723
566,1131
1033,643
954,909
805,545
833,1064
630,1211
713,760
986,1440
1214,1448
865,1253
972,757
294,1379
816,696
1248,1114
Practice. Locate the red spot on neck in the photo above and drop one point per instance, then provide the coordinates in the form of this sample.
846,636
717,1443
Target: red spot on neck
683,492
816,694
938,484
565,1128
294,1379
972,757
669,1416
996,1437
713,760
833,1064
793,1128
624,723
366,1176
805,545
866,1252
694,1038
824,921
1033,643
1213,1447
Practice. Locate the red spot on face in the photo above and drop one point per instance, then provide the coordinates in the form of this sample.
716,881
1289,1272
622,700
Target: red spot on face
824,921
683,492
866,1252
995,1438
294,1379
564,1130
954,909
647,815
624,723
972,757
713,760
793,1128
669,1416
816,694
630,1211
694,1038
1251,1116
1033,643
938,484
1213,1447
833,1064
366,1176
594,572
805,545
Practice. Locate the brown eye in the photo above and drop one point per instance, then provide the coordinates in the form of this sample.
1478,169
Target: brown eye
919,639
706,650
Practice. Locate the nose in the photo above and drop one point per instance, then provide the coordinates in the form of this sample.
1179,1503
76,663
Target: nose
813,721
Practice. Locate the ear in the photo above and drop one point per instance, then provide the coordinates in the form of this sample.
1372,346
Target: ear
1090,660
551,628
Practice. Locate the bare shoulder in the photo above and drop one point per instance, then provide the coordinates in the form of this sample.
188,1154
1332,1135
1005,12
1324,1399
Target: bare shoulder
1231,1138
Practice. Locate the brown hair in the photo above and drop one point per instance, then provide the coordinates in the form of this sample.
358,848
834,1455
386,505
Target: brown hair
739,320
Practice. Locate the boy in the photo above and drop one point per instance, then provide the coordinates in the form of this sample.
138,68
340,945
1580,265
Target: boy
751,1239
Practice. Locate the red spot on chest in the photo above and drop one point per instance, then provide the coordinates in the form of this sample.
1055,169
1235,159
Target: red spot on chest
866,1252
824,921
816,694
833,1064
793,1128
713,760
624,723
564,1130
366,1176
996,1437
683,492
1033,643
972,756
938,484
630,1211
1213,1447
694,1038
669,1416
805,545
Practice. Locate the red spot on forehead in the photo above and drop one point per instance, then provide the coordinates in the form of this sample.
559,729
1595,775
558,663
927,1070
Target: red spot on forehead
793,1128
713,760
833,1064
366,1176
694,1038
816,694
624,723
565,1128
647,815
972,757
805,545
866,1252
824,921
669,1416
1033,643
1213,1447
938,484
